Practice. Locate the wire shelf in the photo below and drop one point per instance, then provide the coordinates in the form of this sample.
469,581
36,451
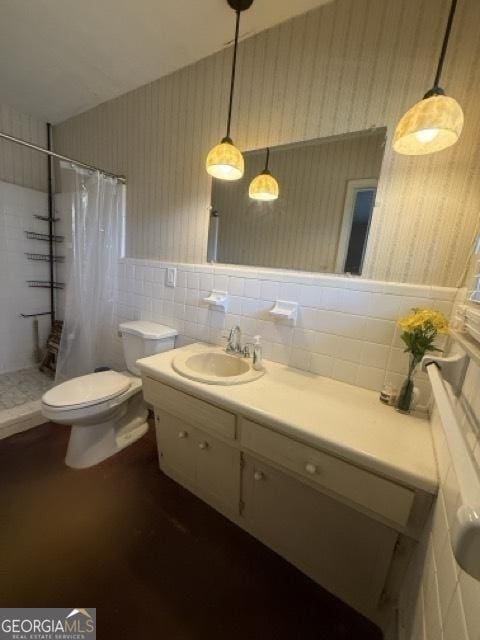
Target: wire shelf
44,257
34,315
45,284
45,218
33,235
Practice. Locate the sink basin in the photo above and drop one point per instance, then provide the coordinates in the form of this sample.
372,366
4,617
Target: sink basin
215,367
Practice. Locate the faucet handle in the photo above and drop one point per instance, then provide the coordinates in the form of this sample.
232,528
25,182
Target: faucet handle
246,352
233,342
229,334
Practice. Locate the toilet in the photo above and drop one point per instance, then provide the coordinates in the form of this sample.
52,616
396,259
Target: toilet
106,409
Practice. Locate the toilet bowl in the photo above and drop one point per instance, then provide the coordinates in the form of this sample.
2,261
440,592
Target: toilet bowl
106,409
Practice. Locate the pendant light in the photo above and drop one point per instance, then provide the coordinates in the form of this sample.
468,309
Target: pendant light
225,161
264,186
435,122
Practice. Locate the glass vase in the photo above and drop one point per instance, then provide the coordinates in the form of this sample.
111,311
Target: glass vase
406,397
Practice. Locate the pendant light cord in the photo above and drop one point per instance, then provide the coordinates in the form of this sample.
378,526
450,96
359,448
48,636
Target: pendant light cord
267,159
436,82
232,80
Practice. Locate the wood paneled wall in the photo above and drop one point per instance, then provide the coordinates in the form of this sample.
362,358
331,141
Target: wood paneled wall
19,165
343,67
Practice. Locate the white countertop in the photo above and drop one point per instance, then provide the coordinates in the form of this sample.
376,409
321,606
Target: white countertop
333,416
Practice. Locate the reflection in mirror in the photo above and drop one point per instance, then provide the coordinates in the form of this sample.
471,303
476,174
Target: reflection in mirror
321,219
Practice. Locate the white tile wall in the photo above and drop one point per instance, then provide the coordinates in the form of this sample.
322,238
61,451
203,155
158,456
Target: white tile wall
17,206
439,600
63,227
345,329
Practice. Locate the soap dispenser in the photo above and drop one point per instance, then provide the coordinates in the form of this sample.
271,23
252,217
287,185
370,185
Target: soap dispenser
257,363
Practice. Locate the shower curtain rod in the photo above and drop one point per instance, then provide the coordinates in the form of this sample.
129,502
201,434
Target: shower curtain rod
52,154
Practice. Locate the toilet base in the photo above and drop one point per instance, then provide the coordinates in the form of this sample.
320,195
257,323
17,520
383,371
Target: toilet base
90,445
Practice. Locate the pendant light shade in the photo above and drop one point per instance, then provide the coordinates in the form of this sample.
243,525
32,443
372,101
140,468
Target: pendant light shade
264,186
435,122
224,160
431,125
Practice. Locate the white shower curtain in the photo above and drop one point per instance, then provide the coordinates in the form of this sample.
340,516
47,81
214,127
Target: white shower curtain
97,210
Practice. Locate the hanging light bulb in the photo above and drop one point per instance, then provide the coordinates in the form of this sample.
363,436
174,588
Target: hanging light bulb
224,160
264,186
435,122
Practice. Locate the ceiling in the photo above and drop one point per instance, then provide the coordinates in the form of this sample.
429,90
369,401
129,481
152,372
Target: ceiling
61,57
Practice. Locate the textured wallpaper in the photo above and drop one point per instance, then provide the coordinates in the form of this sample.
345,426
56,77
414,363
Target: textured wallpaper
19,165
343,67
301,229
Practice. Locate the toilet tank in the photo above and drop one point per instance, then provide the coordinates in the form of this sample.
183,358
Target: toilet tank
141,338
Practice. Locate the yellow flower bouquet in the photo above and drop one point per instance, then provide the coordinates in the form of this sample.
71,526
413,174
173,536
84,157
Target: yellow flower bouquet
419,330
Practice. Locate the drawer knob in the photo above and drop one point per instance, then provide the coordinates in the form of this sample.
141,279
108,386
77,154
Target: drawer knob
203,445
258,475
310,468
182,434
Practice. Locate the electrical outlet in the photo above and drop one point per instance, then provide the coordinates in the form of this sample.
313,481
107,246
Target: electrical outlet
171,276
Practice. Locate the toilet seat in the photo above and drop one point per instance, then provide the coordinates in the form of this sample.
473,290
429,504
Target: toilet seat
93,412
86,391
106,410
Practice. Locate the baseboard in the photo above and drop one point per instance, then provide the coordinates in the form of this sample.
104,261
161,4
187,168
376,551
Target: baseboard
21,418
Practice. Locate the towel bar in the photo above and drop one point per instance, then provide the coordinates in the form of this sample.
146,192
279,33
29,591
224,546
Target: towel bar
466,529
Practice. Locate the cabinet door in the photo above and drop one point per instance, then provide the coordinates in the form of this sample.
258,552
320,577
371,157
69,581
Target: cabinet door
176,445
346,552
208,467
218,472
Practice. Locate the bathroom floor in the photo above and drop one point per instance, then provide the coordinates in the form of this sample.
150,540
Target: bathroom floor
20,393
19,387
154,560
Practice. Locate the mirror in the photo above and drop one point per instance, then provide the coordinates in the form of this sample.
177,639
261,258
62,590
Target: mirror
321,219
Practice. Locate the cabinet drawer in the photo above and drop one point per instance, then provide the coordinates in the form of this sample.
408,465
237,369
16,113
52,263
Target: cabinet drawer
194,411
377,494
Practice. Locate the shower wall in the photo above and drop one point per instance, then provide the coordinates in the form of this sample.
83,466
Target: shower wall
17,208
23,187
63,227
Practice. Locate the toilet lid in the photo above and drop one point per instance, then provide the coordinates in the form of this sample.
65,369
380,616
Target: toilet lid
147,330
87,390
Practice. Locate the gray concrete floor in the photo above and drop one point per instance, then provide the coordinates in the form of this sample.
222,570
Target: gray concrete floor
154,560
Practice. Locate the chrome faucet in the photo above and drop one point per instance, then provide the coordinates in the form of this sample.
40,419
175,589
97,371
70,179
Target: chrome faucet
234,341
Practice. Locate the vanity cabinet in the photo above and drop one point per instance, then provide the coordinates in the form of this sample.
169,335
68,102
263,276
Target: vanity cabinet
343,550
199,461
176,445
348,528
359,487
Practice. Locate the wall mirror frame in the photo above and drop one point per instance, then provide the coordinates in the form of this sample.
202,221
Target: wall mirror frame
321,219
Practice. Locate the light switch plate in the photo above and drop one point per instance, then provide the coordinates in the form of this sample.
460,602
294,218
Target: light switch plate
171,276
